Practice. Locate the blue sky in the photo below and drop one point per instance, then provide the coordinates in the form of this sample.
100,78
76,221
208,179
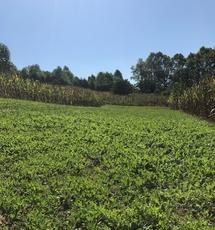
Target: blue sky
103,35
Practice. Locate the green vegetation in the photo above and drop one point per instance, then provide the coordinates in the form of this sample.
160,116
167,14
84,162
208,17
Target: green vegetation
112,167
16,87
104,81
198,100
161,73
187,81
6,66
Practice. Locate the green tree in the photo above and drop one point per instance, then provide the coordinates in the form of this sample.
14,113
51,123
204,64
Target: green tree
147,86
68,76
92,82
33,72
83,83
179,71
6,66
122,87
117,76
36,73
25,73
201,65
62,76
156,70
104,81
76,81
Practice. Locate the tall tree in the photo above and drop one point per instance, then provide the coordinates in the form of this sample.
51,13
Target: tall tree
36,73
68,76
92,82
83,83
207,62
62,76
122,87
6,66
179,71
104,81
33,72
117,76
154,73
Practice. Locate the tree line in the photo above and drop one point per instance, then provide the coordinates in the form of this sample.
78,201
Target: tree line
159,73
103,81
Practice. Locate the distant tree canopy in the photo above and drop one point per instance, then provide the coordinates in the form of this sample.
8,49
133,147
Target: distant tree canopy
160,72
122,87
92,82
117,76
4,52
6,66
154,73
57,76
104,81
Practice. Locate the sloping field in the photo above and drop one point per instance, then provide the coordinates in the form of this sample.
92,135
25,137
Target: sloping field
112,167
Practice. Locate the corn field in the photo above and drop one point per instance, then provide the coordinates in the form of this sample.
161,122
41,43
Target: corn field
198,100
16,87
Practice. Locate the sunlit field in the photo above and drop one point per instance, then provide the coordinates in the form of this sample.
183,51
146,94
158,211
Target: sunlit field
65,167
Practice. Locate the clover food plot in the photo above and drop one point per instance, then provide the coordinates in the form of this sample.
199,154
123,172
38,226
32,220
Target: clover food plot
112,167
